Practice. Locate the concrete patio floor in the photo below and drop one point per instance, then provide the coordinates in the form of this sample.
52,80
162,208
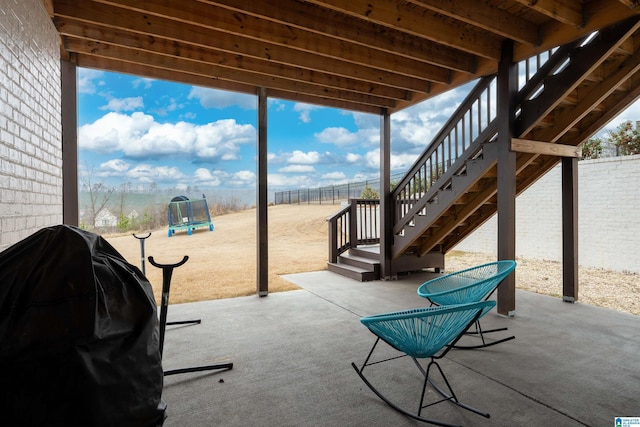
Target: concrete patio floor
570,364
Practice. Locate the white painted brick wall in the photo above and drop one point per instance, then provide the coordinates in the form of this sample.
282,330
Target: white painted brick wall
608,217
30,123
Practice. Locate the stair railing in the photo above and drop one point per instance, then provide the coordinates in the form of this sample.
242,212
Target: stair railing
461,138
356,224
472,124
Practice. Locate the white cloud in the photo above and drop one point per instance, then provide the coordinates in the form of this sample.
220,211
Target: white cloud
143,82
353,158
334,175
297,169
305,111
337,135
85,80
289,181
299,157
139,136
214,98
113,167
124,104
276,105
172,105
414,128
222,139
242,178
399,162
214,178
205,177
147,173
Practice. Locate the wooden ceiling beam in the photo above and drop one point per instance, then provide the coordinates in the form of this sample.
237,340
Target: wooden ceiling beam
599,14
136,69
630,3
99,33
83,47
363,51
240,24
117,66
155,26
487,17
419,22
343,27
48,6
568,12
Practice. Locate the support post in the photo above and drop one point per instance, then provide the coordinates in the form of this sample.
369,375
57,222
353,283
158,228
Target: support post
386,216
69,113
569,229
507,88
262,250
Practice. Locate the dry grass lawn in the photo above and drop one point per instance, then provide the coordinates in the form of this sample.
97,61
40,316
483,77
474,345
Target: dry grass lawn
222,263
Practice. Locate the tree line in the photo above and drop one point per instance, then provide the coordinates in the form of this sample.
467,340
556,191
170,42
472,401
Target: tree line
139,209
625,140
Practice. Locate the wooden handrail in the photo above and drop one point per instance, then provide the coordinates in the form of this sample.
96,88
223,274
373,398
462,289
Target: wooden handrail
462,137
355,224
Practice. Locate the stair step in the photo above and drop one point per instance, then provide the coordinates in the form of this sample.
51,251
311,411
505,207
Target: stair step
364,263
352,272
371,253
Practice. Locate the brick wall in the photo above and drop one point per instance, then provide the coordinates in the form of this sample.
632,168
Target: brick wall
608,219
30,124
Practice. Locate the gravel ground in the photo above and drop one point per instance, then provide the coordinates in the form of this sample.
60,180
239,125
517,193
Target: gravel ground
599,287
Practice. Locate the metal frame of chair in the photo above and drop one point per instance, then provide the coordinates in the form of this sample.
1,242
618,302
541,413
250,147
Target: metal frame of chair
423,333
469,285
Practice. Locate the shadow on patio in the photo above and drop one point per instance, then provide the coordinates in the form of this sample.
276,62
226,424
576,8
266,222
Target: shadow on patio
570,364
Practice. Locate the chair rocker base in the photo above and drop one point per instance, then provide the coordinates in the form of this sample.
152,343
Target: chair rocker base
480,332
447,394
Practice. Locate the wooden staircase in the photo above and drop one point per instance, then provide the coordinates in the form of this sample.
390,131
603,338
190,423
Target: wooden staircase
568,94
576,91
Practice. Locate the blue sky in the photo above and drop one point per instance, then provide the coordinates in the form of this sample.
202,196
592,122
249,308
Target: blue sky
143,131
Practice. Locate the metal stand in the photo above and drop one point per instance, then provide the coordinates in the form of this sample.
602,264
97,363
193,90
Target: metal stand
167,271
142,239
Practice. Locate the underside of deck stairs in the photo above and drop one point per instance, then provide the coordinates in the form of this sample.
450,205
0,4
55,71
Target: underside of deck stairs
586,85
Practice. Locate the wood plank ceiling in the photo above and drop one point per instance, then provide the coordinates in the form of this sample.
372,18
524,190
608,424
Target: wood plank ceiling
360,55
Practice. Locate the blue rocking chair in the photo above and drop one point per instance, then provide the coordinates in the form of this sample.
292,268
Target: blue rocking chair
470,285
423,333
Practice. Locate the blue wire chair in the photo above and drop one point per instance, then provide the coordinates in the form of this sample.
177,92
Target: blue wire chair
428,332
470,285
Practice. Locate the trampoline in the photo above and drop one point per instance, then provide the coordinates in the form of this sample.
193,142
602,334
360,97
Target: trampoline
185,214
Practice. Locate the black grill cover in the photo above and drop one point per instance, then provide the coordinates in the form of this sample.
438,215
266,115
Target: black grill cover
78,335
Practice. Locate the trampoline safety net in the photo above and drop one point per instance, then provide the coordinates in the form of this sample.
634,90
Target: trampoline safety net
185,214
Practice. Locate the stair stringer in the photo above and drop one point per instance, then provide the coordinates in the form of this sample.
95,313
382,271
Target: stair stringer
429,220
443,197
